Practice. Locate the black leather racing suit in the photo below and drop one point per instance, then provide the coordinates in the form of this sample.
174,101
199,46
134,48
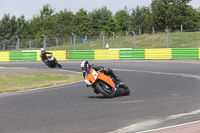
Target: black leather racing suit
44,57
107,71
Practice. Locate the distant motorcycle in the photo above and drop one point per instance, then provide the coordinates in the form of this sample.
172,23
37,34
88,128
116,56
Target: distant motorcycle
52,62
104,84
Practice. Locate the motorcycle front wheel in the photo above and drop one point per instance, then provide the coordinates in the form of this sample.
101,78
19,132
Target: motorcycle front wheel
104,89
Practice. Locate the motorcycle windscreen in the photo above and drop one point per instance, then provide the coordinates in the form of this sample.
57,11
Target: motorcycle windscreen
106,79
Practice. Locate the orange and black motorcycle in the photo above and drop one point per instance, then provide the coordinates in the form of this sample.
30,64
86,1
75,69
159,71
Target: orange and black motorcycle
106,85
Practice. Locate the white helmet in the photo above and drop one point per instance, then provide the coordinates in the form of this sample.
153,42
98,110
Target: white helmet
85,65
42,49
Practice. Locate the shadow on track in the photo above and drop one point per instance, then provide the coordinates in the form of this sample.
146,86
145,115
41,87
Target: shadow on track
98,97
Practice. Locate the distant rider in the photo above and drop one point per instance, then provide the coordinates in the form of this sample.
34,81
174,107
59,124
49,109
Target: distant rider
85,65
44,56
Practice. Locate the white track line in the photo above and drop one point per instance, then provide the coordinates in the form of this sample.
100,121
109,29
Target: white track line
71,71
139,126
163,128
163,73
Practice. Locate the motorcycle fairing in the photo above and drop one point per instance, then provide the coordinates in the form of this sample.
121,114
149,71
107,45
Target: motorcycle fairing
91,76
106,79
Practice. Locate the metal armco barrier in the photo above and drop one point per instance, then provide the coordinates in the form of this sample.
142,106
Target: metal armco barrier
132,54
129,54
29,56
81,54
106,54
168,53
158,53
4,56
185,53
22,56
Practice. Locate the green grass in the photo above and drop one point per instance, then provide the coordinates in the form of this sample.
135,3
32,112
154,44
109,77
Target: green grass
146,41
26,81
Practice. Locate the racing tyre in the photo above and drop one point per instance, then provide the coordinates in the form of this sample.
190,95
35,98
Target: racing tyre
126,90
104,89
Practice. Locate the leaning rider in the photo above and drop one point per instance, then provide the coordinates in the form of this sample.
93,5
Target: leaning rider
85,65
44,56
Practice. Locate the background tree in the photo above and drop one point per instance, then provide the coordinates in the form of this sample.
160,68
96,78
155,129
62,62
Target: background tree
99,19
47,11
110,27
160,15
81,23
199,18
198,9
122,20
191,18
34,27
47,21
140,18
8,27
63,23
41,24
21,27
173,13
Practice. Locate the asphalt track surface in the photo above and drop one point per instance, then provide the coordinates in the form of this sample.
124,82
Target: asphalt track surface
164,93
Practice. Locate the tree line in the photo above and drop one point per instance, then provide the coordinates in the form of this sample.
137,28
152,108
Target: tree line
160,14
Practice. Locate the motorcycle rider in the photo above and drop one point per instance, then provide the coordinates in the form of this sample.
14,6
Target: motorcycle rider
85,65
44,56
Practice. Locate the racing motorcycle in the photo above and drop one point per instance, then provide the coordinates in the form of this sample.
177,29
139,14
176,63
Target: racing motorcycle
52,62
106,85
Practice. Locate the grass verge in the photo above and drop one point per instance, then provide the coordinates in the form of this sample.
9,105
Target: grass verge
145,41
27,81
